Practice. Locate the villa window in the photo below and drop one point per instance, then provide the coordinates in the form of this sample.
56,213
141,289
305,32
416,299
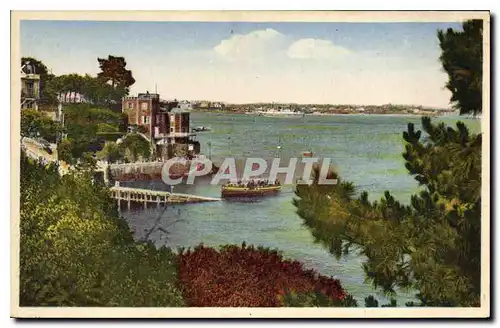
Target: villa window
130,105
144,106
30,89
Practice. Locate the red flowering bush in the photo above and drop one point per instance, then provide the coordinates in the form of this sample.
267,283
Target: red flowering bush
244,276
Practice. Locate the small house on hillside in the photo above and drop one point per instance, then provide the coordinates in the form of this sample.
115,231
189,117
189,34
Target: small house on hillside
30,87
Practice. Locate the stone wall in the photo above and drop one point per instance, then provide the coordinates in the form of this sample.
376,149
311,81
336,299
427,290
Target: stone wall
144,171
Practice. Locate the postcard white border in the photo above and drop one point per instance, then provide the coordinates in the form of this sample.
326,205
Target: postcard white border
249,16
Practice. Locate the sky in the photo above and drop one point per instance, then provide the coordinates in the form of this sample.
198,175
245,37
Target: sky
238,62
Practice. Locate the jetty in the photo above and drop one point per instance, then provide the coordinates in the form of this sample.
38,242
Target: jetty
121,194
154,197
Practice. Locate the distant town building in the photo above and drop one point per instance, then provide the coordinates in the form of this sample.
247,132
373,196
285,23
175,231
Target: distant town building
204,104
30,87
185,105
217,105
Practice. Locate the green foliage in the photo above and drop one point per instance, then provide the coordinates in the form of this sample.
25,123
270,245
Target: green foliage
76,251
65,151
91,114
111,153
90,128
40,68
432,245
37,124
82,125
370,301
109,136
95,91
393,303
105,127
462,60
132,147
135,147
113,70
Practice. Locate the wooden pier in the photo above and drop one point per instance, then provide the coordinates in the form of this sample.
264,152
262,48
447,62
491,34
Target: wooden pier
152,197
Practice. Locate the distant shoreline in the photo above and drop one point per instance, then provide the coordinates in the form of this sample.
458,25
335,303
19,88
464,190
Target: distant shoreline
329,114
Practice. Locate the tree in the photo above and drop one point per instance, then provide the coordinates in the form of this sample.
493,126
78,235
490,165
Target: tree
253,277
432,245
82,124
75,250
40,68
94,90
106,127
111,152
462,60
113,71
134,146
65,151
37,124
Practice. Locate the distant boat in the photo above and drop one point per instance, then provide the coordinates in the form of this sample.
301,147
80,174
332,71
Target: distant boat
307,154
280,112
247,190
201,129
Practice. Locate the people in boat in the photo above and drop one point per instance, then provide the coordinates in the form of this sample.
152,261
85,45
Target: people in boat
253,184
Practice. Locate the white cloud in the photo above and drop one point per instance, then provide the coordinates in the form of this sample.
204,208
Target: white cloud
270,44
265,68
259,43
315,49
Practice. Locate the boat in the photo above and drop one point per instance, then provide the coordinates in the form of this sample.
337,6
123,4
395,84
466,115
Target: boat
249,190
201,129
280,112
307,154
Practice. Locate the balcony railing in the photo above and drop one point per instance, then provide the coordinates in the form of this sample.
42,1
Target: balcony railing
29,94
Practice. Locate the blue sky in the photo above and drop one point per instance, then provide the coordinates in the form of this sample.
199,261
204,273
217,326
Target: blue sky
356,63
